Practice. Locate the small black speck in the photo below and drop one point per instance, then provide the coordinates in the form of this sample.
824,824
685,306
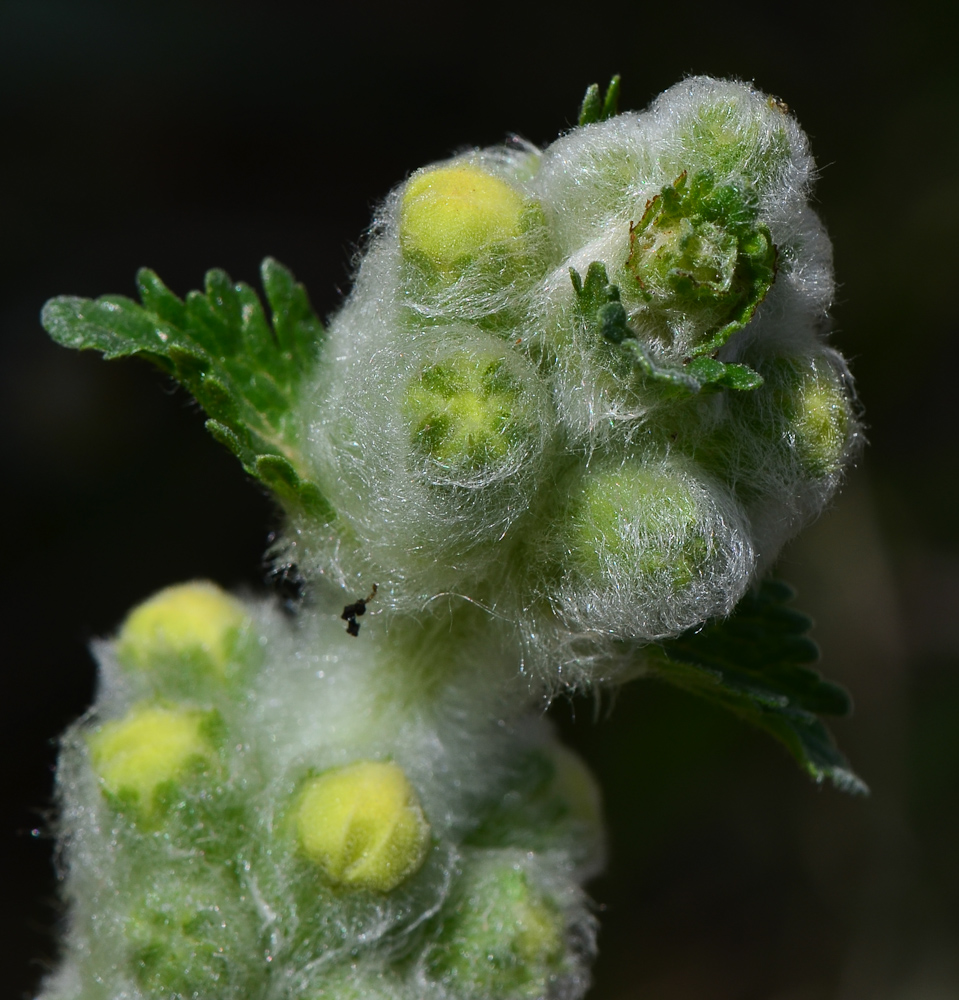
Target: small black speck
352,611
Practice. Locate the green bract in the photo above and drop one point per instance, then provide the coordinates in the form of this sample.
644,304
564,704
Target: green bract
576,402
700,260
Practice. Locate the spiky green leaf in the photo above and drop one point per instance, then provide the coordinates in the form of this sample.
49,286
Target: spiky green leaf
245,370
596,106
757,664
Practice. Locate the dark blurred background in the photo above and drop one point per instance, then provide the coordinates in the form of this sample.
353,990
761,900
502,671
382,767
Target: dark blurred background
186,135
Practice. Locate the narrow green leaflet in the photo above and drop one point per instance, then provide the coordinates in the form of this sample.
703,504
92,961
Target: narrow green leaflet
597,107
755,663
605,316
245,370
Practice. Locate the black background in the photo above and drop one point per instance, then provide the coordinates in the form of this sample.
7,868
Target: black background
185,135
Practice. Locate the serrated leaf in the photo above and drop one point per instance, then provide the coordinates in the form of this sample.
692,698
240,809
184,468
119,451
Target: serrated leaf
279,475
597,107
190,365
245,371
110,325
158,299
297,329
605,317
230,439
755,664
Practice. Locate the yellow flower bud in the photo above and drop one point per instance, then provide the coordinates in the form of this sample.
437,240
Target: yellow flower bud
149,747
363,825
197,621
451,216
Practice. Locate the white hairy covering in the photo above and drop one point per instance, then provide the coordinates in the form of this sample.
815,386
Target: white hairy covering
496,541
448,712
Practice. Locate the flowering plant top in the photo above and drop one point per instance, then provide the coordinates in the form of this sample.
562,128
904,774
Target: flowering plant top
576,402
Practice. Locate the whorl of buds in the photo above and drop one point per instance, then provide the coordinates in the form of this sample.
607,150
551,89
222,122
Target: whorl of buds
576,402
576,444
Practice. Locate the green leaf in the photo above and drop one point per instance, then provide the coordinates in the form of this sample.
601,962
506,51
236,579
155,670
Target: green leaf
245,371
597,107
605,317
723,374
280,476
755,663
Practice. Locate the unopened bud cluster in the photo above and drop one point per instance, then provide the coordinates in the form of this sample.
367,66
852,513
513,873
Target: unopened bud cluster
485,427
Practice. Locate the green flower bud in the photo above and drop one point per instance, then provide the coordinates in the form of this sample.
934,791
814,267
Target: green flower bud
739,133
500,938
468,413
700,260
553,804
151,747
197,625
363,825
453,216
637,523
817,409
574,785
185,932
651,549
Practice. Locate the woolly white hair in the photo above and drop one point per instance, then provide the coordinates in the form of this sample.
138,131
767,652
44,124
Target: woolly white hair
422,529
224,862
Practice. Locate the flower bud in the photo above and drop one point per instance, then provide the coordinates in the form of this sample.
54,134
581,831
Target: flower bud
553,804
653,548
636,523
468,413
149,748
193,927
363,825
451,217
196,624
501,937
738,132
819,419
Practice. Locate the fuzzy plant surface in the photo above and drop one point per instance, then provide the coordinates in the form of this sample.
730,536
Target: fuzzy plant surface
576,402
